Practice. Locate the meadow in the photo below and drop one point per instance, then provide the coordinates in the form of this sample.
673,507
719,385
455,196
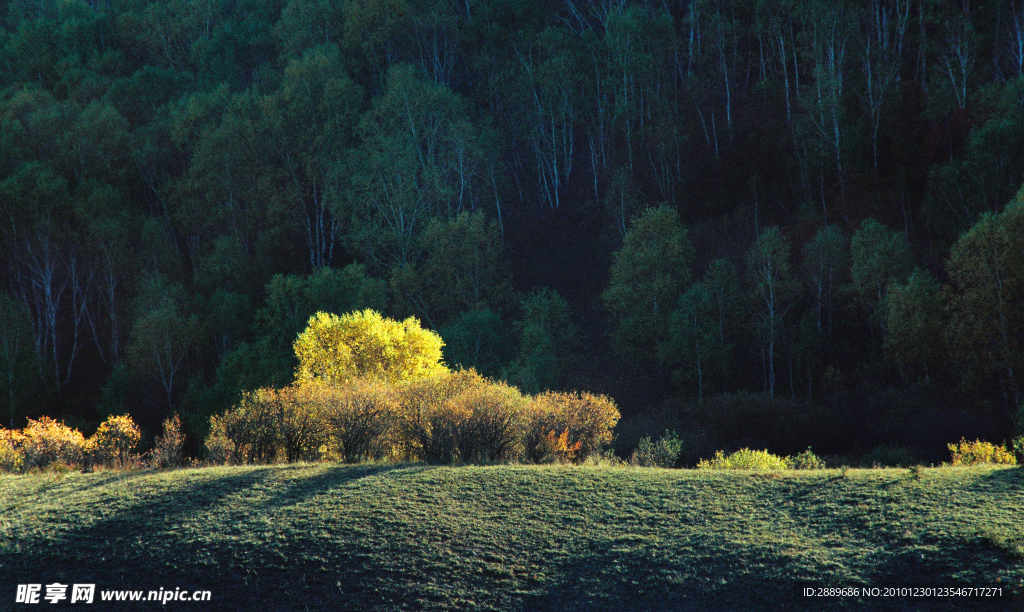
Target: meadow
418,537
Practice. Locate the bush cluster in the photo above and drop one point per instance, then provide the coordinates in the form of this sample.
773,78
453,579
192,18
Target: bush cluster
450,417
978,453
746,459
113,442
49,444
666,452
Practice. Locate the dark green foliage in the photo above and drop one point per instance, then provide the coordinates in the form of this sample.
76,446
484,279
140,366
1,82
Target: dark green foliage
664,452
271,159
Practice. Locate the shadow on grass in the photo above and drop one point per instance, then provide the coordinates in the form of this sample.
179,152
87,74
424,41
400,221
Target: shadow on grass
132,545
610,578
334,477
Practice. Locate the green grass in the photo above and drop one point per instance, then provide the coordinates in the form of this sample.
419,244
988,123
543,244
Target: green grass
386,537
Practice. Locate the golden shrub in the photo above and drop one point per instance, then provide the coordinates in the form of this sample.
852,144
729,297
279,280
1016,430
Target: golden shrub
588,418
220,448
12,451
978,452
425,421
46,441
359,417
744,459
491,428
114,441
460,416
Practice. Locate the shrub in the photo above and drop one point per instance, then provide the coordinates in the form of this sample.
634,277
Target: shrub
220,449
978,452
806,460
588,418
426,421
302,430
269,425
744,459
12,451
889,456
493,424
1018,445
167,450
46,441
550,447
114,441
665,453
359,419
461,416
334,349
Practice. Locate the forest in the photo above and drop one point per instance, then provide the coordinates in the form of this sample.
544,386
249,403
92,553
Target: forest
777,224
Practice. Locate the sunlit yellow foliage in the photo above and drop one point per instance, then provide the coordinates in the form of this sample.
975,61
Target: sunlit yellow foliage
588,418
744,459
978,452
47,441
335,349
461,416
12,451
114,441
167,452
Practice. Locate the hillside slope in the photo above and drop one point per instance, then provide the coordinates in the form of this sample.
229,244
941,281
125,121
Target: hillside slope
319,537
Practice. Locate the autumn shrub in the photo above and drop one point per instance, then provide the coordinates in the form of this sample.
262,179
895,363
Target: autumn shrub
247,433
744,459
588,419
490,422
219,448
46,441
978,453
665,452
12,451
359,418
114,441
270,425
460,416
427,423
167,452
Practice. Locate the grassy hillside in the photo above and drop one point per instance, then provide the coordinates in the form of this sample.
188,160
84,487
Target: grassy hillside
319,537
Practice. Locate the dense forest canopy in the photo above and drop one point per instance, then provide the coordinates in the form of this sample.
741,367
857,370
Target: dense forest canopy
682,204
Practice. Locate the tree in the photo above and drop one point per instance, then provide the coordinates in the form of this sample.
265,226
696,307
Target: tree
463,269
18,381
421,157
647,276
161,341
315,113
477,339
825,264
986,331
546,339
916,323
334,349
702,328
771,291
879,257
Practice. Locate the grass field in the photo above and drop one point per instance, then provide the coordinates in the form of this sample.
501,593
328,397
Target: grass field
397,537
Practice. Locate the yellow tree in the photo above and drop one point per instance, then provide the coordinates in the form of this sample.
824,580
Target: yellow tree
334,349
